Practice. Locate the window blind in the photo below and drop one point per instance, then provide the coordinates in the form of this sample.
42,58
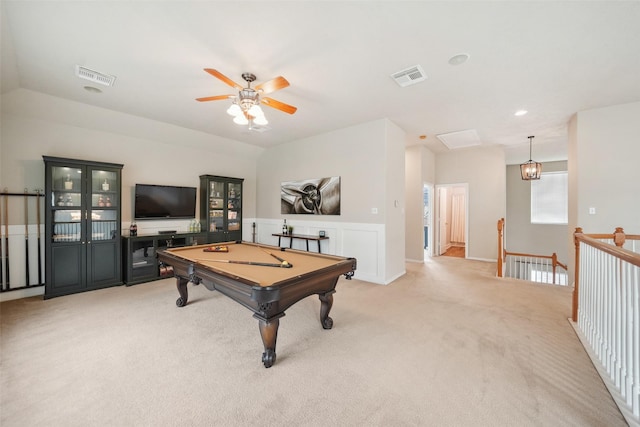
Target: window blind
549,199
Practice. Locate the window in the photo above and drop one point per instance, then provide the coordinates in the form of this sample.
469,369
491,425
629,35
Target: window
549,196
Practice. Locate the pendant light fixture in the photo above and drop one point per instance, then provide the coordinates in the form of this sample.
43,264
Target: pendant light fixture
530,170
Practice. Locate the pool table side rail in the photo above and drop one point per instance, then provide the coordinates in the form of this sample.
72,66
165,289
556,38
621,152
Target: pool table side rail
172,257
271,301
265,301
272,248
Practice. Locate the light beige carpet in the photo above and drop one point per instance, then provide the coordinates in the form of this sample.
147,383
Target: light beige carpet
446,345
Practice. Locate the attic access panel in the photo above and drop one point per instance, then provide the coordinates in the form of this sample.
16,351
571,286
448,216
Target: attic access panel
460,139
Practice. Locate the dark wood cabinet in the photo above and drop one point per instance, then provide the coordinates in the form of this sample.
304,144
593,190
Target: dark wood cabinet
82,225
221,208
139,254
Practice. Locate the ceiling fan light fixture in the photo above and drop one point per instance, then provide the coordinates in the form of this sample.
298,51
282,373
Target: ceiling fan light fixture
234,110
261,120
240,119
245,106
255,111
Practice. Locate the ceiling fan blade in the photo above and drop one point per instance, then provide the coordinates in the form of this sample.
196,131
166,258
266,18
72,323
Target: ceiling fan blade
270,102
214,98
272,85
217,74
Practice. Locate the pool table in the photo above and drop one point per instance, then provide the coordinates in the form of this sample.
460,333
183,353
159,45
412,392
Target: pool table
265,279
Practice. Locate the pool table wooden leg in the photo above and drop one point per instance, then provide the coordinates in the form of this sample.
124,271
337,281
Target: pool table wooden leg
269,334
181,284
326,302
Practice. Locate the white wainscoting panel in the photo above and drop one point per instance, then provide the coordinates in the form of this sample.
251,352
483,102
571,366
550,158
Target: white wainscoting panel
365,242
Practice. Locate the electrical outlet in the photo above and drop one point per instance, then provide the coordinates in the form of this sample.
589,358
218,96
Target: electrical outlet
592,211
374,210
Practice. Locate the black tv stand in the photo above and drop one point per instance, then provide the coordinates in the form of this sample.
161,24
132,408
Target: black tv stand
140,263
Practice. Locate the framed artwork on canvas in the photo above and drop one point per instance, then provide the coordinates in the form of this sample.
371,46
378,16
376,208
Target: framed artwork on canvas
320,196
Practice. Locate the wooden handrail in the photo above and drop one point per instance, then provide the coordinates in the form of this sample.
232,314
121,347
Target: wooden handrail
501,253
556,262
605,304
552,257
619,238
616,251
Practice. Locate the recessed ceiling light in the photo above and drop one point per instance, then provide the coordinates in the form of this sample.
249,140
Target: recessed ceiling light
92,89
521,112
458,59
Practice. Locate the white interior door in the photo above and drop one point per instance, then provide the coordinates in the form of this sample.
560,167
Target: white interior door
442,220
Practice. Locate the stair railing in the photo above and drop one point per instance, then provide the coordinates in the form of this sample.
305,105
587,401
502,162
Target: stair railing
606,310
532,267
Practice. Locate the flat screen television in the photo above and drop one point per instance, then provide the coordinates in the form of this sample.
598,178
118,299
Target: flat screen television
164,201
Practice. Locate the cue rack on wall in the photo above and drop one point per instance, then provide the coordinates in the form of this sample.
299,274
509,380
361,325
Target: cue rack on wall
22,250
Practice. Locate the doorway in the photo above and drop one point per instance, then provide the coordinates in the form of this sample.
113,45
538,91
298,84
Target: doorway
452,214
427,219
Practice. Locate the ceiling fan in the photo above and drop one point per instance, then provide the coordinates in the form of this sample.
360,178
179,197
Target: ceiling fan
246,104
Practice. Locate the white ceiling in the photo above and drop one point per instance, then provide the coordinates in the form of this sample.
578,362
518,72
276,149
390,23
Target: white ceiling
550,58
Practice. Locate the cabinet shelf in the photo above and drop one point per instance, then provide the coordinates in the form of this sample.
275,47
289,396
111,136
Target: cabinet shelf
139,254
221,214
83,249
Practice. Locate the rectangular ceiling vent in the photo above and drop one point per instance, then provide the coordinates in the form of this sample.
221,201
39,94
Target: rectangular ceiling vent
461,139
94,76
410,76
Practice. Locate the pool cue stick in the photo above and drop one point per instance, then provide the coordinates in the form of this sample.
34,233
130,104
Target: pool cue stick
38,224
264,264
26,232
276,257
6,239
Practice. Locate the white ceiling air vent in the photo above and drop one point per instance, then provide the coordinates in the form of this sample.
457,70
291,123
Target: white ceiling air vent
94,76
409,76
461,139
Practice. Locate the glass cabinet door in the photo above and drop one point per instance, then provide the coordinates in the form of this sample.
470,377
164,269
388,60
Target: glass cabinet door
234,206
82,225
104,205
216,206
221,208
66,204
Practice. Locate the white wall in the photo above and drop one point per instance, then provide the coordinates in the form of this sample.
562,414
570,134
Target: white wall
605,159
419,168
369,158
522,236
483,169
604,148
394,172
34,125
